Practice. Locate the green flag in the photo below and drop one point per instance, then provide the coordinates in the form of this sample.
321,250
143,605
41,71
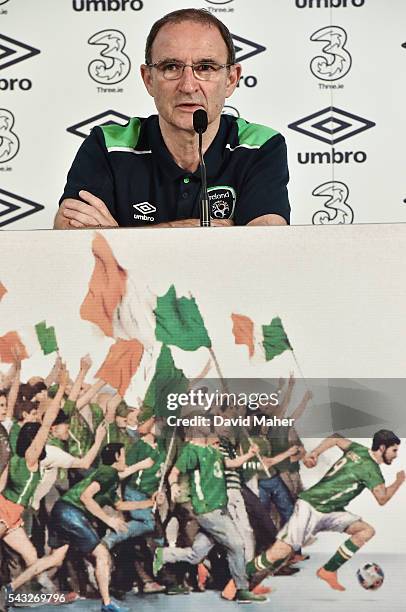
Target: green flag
167,379
275,339
179,322
46,337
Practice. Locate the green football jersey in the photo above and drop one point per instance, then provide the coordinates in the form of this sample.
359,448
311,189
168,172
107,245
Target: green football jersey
108,479
347,478
146,481
254,466
13,436
21,483
81,437
117,434
206,467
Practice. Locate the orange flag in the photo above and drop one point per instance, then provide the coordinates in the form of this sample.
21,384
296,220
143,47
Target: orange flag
3,290
243,330
121,364
11,346
106,288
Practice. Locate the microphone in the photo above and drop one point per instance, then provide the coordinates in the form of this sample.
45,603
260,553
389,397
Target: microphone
200,123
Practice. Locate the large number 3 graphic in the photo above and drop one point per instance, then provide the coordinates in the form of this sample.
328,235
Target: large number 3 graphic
9,143
115,65
336,61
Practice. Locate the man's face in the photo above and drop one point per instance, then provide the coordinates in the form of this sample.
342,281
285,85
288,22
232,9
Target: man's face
132,418
61,431
3,407
177,100
40,396
121,422
30,417
390,453
120,463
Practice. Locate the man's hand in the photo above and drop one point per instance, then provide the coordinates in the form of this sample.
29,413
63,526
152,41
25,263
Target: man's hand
400,477
294,450
86,363
253,450
117,524
91,212
310,459
159,498
175,491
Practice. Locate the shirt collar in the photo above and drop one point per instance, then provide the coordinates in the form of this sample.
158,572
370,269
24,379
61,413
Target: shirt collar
213,156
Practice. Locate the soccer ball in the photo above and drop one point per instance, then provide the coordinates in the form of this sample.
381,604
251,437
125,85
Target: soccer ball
370,576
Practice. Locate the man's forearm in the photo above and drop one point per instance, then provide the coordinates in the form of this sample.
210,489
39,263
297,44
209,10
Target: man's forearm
391,490
93,507
173,476
329,442
90,456
278,458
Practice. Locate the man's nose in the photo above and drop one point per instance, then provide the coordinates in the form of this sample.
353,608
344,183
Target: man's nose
188,81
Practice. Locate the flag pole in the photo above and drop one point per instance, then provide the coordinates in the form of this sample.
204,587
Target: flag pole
165,467
218,369
226,390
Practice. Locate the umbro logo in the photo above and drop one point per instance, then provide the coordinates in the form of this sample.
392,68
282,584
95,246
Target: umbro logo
13,207
83,128
245,49
331,125
12,51
145,208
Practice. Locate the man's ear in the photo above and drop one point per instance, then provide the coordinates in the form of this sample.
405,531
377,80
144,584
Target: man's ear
146,76
234,76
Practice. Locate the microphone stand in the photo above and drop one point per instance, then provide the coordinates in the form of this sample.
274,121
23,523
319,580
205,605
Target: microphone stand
205,220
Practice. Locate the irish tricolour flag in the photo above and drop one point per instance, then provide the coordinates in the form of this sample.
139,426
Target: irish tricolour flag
264,342
124,308
25,342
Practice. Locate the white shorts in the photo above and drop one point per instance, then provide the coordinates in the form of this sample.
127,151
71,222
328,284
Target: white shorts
306,521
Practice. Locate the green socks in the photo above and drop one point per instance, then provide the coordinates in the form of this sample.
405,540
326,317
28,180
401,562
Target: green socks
261,563
343,554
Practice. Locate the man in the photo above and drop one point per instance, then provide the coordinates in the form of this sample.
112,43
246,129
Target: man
322,507
145,483
119,170
205,465
73,517
24,412
58,459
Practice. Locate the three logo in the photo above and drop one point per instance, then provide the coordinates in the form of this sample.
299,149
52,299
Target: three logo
9,142
338,210
336,62
114,65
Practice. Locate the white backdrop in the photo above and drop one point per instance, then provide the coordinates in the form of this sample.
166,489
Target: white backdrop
332,68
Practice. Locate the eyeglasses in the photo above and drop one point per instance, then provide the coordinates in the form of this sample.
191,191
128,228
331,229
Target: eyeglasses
203,71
